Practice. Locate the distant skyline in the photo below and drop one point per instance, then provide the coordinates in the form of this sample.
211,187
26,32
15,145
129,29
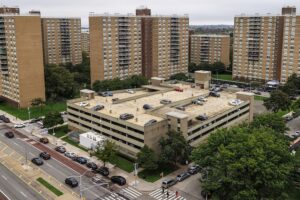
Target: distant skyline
208,12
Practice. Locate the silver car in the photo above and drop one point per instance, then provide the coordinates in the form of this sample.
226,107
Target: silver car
182,176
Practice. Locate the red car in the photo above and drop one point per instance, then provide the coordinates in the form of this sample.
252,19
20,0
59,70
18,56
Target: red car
179,89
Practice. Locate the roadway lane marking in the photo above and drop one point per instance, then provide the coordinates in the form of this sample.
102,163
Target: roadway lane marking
23,194
4,177
54,168
4,194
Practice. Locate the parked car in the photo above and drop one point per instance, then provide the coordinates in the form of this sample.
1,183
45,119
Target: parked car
182,176
202,117
151,121
103,171
70,155
180,108
197,102
130,91
168,183
193,169
83,104
60,149
37,161
4,119
81,160
118,180
202,99
297,133
165,101
257,92
234,86
218,89
9,134
71,181
126,116
214,94
115,99
98,107
97,179
92,165
235,102
45,155
19,125
44,140
179,89
147,106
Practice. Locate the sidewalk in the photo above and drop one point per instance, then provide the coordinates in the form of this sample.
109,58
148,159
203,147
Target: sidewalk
12,118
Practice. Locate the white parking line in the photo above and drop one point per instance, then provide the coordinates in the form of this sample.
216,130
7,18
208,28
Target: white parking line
4,177
5,194
23,194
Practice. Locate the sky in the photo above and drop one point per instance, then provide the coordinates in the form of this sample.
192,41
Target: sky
201,12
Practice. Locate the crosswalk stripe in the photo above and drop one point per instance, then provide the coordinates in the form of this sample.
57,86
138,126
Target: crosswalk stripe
130,188
157,194
131,192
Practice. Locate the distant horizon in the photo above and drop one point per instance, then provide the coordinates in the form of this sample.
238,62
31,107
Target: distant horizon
214,12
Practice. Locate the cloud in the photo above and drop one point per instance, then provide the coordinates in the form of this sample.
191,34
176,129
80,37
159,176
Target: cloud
200,11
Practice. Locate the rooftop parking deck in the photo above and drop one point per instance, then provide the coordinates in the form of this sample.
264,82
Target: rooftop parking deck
213,106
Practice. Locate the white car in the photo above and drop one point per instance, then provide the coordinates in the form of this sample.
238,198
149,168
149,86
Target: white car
19,125
83,104
297,133
234,86
235,102
202,99
130,91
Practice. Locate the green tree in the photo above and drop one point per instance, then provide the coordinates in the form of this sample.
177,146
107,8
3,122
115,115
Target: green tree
179,77
105,151
147,158
174,147
270,120
59,83
52,119
38,102
245,163
277,101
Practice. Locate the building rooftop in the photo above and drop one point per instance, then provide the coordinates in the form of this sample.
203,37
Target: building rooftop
125,102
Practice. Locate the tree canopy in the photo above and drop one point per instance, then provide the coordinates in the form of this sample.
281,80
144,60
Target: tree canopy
147,158
215,67
134,81
245,163
105,151
270,120
174,147
179,77
52,119
278,101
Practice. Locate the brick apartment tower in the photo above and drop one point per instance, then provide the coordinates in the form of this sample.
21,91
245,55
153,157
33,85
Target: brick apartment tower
123,45
62,40
9,10
21,59
267,47
210,49
85,41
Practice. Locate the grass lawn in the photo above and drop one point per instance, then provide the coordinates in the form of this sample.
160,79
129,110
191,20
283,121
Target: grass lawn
227,77
35,112
123,163
53,189
152,176
259,98
74,143
61,131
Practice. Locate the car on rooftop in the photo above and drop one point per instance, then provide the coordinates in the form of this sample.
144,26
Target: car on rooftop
165,101
126,116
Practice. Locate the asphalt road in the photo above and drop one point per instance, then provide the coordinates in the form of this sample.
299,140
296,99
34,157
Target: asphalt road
53,167
294,125
14,188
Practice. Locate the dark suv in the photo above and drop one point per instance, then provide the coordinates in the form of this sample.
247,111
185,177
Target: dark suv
72,182
92,165
37,161
214,94
4,119
9,134
81,160
126,116
45,155
98,107
103,171
60,149
202,117
118,180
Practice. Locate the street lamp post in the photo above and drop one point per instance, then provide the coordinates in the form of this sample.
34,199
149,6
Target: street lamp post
28,110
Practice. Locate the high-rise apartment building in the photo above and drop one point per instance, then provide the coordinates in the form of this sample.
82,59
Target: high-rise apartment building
266,47
115,46
62,40
85,41
21,59
210,49
9,10
143,44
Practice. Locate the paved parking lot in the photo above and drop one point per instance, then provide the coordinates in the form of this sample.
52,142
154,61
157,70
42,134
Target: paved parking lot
294,125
